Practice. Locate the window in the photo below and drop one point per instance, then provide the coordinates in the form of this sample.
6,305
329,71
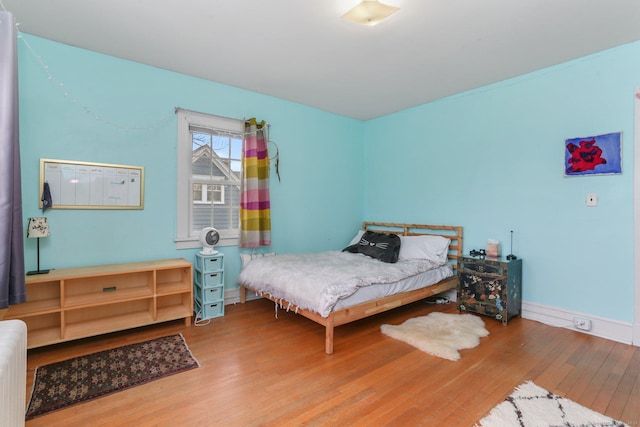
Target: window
209,166
203,193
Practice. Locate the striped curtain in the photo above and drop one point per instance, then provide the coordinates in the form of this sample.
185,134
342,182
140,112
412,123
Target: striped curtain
255,206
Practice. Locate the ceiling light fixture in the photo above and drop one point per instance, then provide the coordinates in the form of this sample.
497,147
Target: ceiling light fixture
370,12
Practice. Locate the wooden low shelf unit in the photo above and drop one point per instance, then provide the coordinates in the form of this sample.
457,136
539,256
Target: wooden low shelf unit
75,303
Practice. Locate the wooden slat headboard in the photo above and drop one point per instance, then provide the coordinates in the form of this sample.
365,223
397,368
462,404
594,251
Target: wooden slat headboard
452,232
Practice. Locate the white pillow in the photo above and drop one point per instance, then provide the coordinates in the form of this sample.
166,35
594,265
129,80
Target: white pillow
357,238
435,248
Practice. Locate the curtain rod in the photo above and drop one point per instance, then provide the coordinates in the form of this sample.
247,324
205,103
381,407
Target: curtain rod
260,124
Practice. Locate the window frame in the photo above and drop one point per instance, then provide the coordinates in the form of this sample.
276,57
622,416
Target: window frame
184,201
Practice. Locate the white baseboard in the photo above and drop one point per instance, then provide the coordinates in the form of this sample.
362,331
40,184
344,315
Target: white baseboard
232,296
600,327
451,294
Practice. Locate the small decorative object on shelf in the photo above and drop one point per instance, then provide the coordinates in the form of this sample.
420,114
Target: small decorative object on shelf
37,228
208,286
490,286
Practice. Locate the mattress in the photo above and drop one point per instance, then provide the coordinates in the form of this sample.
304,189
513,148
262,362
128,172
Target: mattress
317,282
381,290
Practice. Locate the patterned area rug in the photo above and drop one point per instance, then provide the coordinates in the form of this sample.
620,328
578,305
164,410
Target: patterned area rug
533,406
440,334
62,384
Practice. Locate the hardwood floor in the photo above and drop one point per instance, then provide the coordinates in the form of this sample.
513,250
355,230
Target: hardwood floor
259,370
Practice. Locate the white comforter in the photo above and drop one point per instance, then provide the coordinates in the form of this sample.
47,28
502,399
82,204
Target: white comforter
317,281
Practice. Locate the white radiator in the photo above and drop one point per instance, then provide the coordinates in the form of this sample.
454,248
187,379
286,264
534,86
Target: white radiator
13,372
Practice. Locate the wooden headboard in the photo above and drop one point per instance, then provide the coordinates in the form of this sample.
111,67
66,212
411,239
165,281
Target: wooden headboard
452,232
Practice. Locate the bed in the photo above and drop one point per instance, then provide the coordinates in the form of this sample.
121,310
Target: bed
383,288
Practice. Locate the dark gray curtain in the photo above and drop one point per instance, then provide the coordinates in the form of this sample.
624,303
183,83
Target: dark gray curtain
12,288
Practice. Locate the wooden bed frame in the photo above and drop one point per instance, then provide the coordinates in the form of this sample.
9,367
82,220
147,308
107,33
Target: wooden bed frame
369,308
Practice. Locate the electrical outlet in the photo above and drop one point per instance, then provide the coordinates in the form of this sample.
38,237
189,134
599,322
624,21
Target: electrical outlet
582,324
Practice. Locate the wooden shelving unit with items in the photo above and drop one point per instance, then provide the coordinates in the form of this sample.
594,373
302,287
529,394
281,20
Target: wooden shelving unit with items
74,303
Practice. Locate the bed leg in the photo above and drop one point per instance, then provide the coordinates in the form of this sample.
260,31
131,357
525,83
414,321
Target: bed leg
243,294
328,345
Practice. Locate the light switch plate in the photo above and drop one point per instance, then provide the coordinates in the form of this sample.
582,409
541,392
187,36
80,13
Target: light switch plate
592,199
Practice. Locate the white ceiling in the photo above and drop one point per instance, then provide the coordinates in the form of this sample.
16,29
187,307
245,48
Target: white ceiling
301,51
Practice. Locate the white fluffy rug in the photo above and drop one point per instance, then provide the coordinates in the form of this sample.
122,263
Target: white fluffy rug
440,334
533,406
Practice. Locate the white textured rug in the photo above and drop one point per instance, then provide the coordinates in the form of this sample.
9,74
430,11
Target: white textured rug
440,334
533,406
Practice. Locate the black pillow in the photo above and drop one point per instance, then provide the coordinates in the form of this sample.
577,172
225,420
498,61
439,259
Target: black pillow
384,247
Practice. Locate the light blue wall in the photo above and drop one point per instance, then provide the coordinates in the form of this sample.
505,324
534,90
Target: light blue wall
491,160
317,206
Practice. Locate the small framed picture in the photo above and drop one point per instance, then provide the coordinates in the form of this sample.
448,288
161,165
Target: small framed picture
593,155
